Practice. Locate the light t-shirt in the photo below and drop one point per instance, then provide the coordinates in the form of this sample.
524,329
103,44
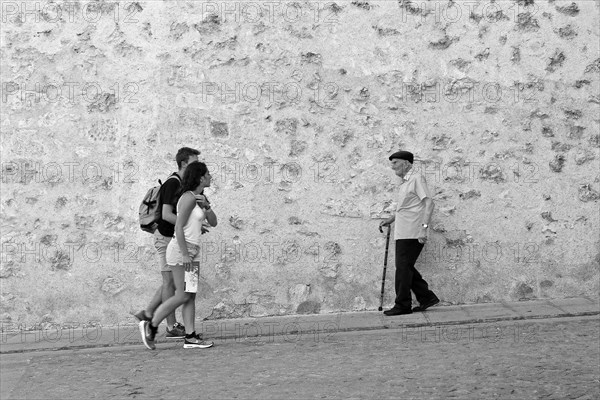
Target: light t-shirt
410,210
192,230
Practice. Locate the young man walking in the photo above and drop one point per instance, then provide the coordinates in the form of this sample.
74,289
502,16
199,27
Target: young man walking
168,196
412,216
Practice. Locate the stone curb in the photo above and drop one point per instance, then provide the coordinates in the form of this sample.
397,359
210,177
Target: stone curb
314,325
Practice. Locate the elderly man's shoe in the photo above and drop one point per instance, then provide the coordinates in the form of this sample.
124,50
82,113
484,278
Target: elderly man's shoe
397,311
426,305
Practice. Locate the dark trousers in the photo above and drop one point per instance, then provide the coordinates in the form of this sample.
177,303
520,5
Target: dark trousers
407,277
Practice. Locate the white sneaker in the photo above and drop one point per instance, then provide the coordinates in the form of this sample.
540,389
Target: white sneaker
147,334
194,342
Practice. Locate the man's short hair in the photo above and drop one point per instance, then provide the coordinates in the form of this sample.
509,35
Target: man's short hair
183,155
403,155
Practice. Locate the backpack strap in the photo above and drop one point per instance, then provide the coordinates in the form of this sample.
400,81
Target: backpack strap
170,176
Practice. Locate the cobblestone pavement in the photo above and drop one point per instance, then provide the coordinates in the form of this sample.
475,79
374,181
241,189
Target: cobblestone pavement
539,359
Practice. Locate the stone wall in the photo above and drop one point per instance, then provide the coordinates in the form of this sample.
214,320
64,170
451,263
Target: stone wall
296,106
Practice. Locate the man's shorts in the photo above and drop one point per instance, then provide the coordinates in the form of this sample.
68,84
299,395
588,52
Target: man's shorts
160,243
174,256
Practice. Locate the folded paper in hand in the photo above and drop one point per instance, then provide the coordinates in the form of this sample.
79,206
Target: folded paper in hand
190,284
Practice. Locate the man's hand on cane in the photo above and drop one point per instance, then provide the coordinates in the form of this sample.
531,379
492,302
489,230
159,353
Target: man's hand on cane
386,222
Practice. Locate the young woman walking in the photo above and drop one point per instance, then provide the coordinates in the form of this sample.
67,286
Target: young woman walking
192,210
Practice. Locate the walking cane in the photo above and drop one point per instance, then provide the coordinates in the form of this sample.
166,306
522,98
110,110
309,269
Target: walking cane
387,244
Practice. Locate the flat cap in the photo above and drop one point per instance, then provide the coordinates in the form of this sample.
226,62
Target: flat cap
403,155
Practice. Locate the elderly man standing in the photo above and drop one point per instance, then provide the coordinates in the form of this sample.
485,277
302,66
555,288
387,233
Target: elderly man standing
413,213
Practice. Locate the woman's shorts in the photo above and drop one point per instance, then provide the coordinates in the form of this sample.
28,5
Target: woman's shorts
174,256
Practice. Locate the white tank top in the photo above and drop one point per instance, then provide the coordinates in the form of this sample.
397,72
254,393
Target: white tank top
192,230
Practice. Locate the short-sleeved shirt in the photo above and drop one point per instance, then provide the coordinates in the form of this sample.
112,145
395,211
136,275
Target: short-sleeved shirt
169,194
410,210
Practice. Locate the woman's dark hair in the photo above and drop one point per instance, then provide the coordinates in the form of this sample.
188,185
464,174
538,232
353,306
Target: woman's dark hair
192,175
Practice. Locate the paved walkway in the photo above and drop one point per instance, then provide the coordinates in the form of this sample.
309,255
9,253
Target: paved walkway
525,350
293,328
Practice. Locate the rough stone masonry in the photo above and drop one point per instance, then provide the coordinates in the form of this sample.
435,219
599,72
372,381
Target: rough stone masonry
295,107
